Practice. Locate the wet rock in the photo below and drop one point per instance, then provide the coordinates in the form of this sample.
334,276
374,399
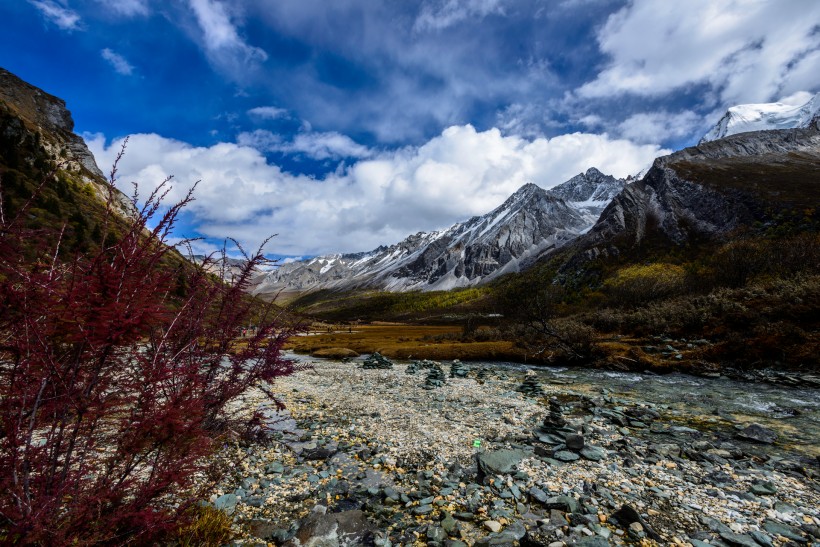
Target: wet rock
316,454
757,433
761,538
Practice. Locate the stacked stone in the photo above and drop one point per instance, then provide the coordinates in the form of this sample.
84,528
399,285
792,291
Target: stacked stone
377,361
458,369
530,387
554,421
412,368
435,378
482,374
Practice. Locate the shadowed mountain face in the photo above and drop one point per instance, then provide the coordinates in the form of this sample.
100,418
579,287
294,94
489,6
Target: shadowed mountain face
529,223
711,190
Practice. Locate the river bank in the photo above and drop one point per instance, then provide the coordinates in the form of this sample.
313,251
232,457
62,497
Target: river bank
374,457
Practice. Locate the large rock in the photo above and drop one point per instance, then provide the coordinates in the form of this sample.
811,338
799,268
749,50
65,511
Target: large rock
758,434
498,462
334,530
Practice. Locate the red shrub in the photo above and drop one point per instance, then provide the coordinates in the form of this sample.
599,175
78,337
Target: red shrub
116,374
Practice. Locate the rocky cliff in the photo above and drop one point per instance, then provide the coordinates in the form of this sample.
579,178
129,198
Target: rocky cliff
711,190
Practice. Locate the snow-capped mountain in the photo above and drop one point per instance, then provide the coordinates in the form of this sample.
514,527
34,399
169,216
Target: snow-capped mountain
761,117
530,222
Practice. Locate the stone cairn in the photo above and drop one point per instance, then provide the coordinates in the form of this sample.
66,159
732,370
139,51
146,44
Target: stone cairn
530,387
458,369
482,374
416,366
377,361
435,377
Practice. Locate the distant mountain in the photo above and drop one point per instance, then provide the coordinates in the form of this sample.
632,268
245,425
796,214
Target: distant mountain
761,117
529,223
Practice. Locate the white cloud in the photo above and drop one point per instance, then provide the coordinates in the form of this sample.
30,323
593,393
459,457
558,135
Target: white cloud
58,13
440,14
221,40
268,112
126,8
660,126
118,62
317,145
379,200
745,50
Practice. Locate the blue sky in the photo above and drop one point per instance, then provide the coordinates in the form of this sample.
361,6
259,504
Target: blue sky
344,125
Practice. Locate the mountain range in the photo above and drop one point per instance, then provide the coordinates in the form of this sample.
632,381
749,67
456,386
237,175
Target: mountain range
528,224
598,214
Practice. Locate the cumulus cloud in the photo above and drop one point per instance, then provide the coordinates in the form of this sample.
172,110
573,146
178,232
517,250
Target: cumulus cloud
58,13
118,62
378,200
744,50
220,37
267,112
660,126
438,15
316,145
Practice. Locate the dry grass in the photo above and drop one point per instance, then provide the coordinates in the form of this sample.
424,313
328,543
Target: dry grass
405,342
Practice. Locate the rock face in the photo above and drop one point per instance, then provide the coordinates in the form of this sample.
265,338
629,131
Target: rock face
27,111
760,117
708,191
529,223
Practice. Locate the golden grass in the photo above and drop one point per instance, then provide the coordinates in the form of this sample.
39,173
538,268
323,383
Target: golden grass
405,342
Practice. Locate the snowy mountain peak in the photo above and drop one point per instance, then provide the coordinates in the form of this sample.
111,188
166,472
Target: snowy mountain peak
530,222
761,117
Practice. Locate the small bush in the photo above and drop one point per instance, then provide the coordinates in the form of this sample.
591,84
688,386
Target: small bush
114,385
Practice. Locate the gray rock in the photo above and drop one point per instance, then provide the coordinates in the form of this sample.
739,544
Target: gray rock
757,433
538,494
498,462
563,503
593,453
226,503
738,539
780,529
566,456
761,538
575,442
763,489
323,530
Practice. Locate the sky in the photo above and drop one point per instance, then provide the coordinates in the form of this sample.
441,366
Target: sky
338,126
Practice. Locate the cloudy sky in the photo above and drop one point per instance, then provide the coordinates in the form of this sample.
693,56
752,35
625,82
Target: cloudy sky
342,125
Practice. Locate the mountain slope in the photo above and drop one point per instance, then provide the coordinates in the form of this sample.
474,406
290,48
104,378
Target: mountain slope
529,223
712,190
38,146
761,117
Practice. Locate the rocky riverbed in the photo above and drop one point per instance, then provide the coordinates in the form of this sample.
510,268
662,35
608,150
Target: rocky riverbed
508,456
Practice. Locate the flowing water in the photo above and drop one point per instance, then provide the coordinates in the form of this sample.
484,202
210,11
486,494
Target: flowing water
720,404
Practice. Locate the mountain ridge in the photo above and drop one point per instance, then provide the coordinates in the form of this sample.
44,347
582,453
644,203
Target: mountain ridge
510,237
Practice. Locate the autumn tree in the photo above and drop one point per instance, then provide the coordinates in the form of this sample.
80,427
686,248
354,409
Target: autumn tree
117,372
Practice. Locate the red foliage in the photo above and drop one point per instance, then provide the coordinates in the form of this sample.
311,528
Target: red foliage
114,387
